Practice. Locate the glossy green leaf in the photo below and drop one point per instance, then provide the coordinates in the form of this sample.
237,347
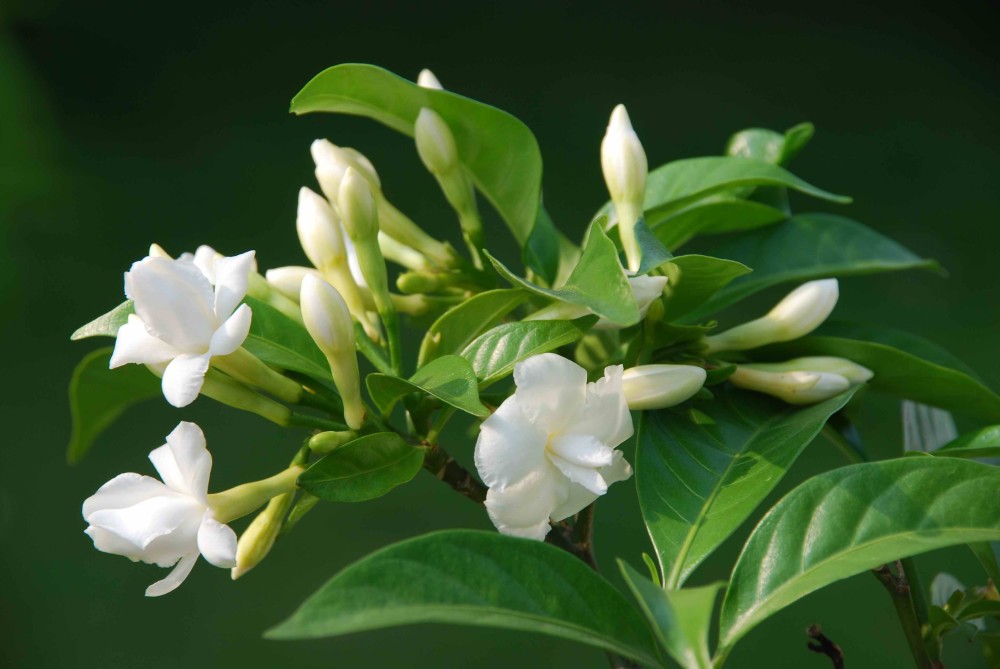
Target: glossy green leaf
807,247
494,353
449,378
679,618
363,469
983,443
694,279
106,325
597,282
98,396
698,481
715,216
904,365
475,578
499,152
458,326
853,519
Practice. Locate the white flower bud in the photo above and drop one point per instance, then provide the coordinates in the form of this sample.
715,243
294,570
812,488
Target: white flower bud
623,161
435,142
851,371
792,387
661,386
288,280
329,323
319,231
426,79
802,311
332,162
357,207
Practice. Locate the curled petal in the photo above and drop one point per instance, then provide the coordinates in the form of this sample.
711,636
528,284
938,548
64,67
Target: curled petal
523,509
618,470
142,523
217,543
175,301
123,491
204,259
231,335
588,477
583,450
577,499
231,278
550,390
174,578
509,448
183,378
184,462
604,414
134,344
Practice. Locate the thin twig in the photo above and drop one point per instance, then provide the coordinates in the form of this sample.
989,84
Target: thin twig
898,587
824,646
445,468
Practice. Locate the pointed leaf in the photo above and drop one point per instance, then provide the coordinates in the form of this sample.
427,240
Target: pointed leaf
853,519
715,216
694,279
698,481
460,325
450,378
475,578
106,325
363,469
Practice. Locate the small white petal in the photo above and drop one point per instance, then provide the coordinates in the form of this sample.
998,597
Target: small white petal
109,542
123,491
288,280
231,279
184,462
523,510
174,578
183,378
175,301
588,477
550,390
134,344
619,470
604,414
231,334
509,448
204,259
217,543
645,289
582,449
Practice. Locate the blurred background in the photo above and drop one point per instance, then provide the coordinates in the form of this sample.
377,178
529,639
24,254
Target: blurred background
123,123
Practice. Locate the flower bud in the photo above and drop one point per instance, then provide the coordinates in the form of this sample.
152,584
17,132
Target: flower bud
793,387
852,371
319,231
329,323
661,386
435,143
357,207
801,312
623,162
332,162
258,538
325,442
288,280
426,79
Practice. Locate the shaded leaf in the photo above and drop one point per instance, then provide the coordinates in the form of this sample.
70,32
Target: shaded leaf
694,279
363,469
458,326
715,216
449,378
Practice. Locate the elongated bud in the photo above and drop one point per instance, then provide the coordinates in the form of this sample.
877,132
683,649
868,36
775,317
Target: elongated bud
426,79
435,143
802,311
332,162
288,280
247,498
256,541
357,207
623,162
792,387
248,368
661,386
324,442
329,323
319,231
852,371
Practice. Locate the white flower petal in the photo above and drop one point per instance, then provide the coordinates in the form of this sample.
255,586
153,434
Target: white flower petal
231,334
509,448
231,278
588,477
645,289
604,414
582,449
550,390
123,491
577,499
523,510
174,578
353,263
134,344
109,542
217,543
618,470
174,300
184,462
183,378
204,259
141,523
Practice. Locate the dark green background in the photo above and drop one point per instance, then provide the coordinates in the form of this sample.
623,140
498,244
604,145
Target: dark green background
121,124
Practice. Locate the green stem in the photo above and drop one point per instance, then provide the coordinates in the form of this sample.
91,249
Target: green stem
371,350
391,323
443,417
900,592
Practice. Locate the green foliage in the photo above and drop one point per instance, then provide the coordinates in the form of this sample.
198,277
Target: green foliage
853,519
106,325
363,469
458,326
450,378
98,396
718,214
698,481
475,578
694,279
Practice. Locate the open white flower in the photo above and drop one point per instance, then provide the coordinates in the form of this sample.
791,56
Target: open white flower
181,321
550,449
166,523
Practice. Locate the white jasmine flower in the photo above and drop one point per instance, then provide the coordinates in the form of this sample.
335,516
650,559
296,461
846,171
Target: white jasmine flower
180,321
550,449
166,523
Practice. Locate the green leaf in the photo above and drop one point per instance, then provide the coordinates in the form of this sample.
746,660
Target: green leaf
284,343
458,326
698,481
106,325
983,550
541,251
499,152
597,282
494,353
694,279
449,378
363,469
98,396
768,145
853,519
680,618
983,443
475,578
711,217
807,247
653,252
904,365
